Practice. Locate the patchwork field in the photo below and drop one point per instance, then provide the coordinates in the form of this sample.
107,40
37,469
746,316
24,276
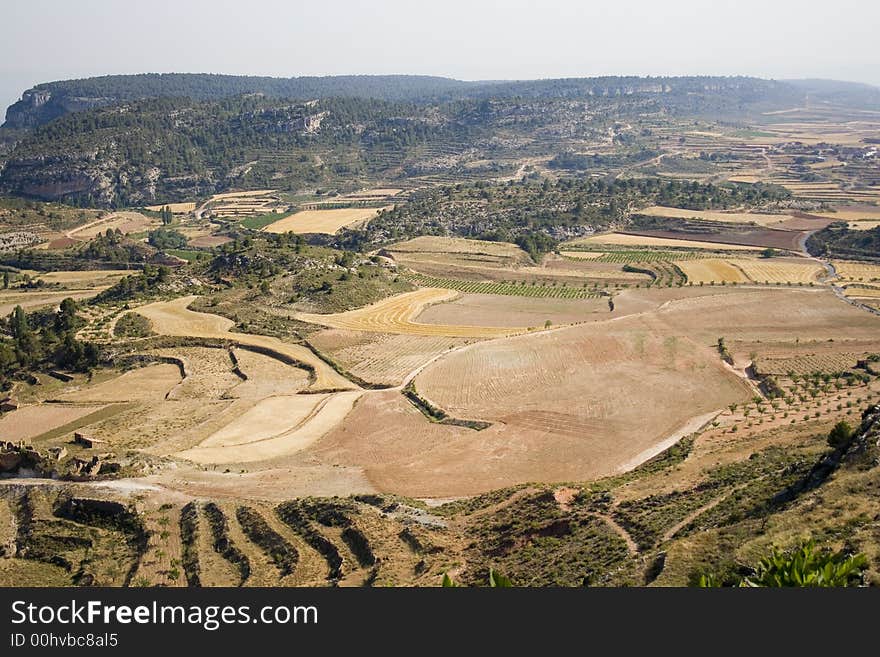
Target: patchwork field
554,400
397,314
322,221
769,271
493,310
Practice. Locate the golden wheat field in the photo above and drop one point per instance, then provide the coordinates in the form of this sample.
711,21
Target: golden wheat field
453,245
711,271
778,271
397,314
863,292
742,270
321,221
856,271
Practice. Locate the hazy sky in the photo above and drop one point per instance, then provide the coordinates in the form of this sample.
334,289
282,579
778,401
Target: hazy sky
42,40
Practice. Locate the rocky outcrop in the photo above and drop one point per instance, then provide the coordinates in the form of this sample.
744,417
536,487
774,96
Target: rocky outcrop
39,105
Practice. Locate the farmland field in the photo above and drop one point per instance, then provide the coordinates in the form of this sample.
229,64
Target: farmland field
626,239
857,271
488,309
153,382
176,208
30,421
562,291
126,222
39,299
173,318
712,271
463,330
450,245
321,221
741,270
397,315
730,217
382,358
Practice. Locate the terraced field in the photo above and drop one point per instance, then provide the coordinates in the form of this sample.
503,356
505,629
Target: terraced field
397,314
173,318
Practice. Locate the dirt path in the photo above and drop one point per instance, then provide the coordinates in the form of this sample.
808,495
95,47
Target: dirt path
612,523
693,425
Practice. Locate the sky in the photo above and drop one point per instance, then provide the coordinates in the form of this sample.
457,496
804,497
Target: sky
44,40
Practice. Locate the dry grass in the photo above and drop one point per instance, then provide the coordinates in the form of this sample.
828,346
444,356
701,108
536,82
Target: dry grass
322,221
396,314
30,421
147,383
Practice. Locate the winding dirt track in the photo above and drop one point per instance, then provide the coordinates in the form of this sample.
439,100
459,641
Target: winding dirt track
174,318
396,314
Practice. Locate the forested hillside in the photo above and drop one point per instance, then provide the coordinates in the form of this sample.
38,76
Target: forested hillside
47,101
